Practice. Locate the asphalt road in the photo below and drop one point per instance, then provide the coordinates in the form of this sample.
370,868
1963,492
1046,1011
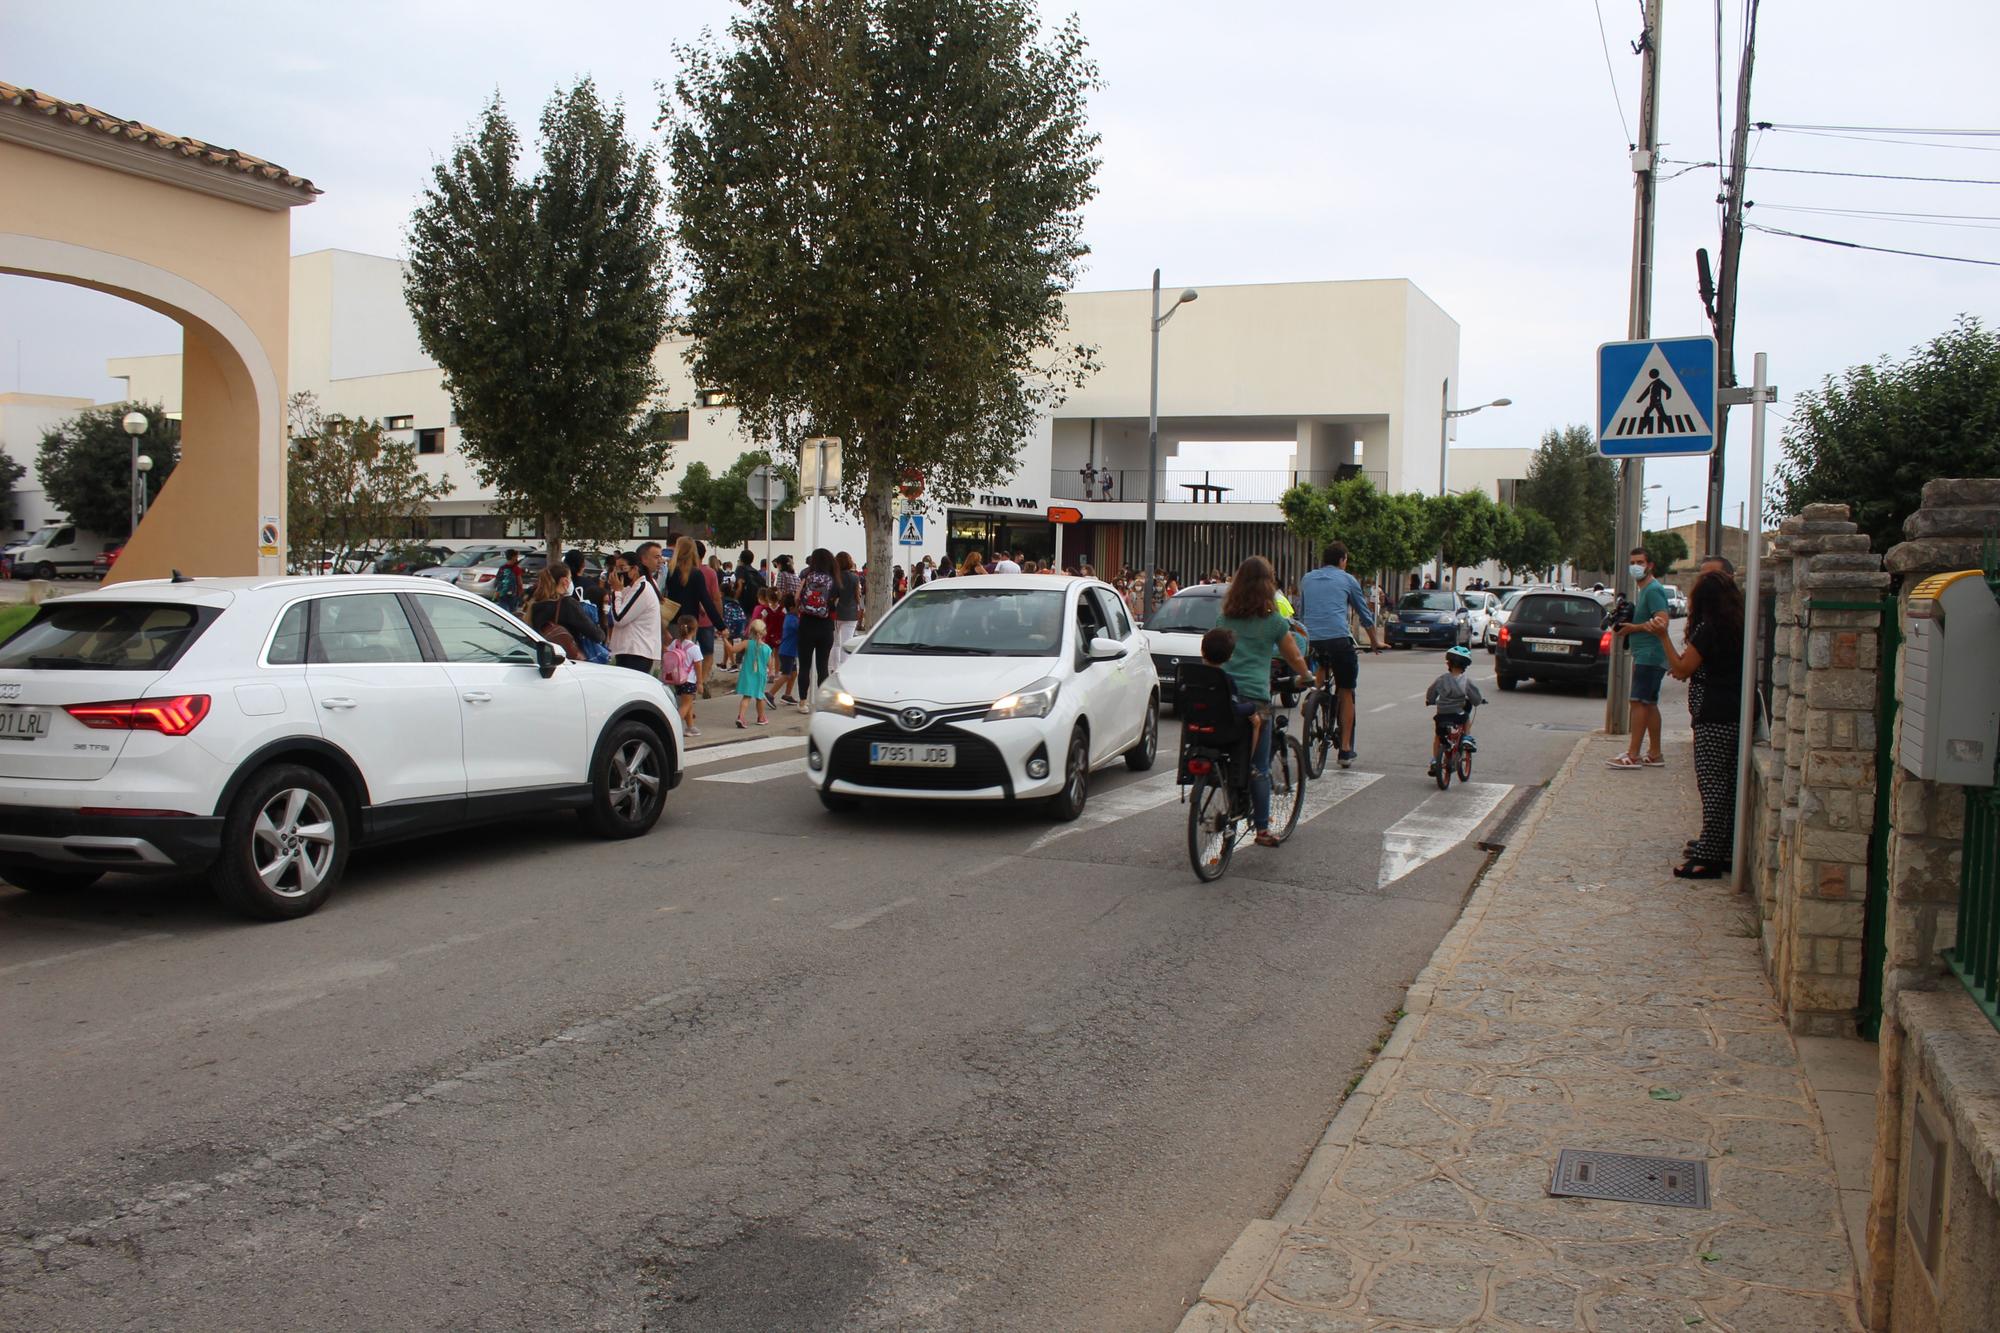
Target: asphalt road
767,1068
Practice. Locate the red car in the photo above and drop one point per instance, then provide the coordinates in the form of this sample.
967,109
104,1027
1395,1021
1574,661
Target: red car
105,559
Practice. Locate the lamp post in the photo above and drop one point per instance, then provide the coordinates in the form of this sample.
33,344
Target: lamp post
1446,415
145,491
1153,442
136,424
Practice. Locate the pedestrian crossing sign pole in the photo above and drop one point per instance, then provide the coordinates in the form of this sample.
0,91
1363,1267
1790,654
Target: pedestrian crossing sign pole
1656,398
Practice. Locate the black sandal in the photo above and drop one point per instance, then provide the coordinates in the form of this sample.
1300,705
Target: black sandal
1700,870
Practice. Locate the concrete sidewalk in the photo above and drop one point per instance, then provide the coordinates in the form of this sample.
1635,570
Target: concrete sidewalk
1586,999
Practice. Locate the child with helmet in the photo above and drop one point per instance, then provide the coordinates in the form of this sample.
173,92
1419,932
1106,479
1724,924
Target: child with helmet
1454,696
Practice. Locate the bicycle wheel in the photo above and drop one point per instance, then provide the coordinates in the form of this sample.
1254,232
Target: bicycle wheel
1464,764
1288,787
1447,760
1316,723
1211,829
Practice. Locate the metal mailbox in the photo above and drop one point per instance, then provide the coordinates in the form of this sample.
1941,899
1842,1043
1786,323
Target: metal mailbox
1951,680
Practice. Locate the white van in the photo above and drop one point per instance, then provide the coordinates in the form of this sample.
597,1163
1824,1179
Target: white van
59,550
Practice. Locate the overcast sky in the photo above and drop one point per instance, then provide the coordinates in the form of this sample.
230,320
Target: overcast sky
1473,148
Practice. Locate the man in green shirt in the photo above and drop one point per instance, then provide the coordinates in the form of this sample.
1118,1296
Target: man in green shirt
1649,663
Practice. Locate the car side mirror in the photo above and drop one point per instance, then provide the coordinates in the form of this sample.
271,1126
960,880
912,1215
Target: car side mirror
547,658
1105,650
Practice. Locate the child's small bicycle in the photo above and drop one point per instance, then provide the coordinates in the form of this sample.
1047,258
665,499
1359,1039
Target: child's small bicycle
1455,755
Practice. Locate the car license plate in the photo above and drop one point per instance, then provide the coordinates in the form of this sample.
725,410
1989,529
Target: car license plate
892,755
1545,646
23,724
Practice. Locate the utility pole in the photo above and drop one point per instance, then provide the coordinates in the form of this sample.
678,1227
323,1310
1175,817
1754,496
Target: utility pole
1631,471
1724,311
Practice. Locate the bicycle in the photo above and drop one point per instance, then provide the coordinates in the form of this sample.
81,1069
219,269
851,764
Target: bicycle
1215,766
1319,728
1453,756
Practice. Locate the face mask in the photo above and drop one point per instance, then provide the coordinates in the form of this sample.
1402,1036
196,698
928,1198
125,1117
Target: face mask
1636,571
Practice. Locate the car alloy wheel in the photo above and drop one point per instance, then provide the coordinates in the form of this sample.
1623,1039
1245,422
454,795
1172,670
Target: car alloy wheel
1140,757
284,844
1068,803
628,782
293,842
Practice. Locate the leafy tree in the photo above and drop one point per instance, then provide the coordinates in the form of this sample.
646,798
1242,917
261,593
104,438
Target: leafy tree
85,462
1381,531
724,504
346,486
1871,438
1667,548
544,298
10,476
879,205
1468,526
1576,489
1529,544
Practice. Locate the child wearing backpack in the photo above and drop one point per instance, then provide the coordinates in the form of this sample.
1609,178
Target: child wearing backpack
788,643
680,668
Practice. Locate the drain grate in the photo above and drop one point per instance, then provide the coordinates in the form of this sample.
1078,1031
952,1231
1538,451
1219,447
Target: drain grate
1627,1177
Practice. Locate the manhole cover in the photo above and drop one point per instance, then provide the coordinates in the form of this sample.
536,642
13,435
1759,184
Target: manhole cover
1560,726
1629,1178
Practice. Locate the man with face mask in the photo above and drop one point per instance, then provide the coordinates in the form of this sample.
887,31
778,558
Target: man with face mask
1649,662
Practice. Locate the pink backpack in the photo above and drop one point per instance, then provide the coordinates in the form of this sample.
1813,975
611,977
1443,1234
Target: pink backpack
675,669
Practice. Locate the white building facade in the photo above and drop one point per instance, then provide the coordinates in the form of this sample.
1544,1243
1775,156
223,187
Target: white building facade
1336,378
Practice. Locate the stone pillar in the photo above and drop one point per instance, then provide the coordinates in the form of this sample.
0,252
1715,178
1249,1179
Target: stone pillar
1926,826
1833,657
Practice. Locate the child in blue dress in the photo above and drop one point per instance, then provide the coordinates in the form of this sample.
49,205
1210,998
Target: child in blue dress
752,671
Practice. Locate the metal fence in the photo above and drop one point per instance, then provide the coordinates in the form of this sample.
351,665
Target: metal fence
1187,485
1975,954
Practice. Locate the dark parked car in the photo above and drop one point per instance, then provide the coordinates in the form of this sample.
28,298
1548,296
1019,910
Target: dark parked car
1558,636
1428,617
1173,637
410,559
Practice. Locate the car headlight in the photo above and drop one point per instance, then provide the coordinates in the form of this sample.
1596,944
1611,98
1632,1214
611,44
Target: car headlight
1034,701
1389,618
832,699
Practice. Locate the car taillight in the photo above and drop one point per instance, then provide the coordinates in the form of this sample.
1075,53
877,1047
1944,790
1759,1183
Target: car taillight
170,717
1504,636
1604,644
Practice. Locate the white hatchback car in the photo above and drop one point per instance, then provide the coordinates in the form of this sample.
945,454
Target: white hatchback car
261,729
1003,686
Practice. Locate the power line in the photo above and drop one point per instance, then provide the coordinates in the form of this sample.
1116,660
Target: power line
1871,138
1893,213
1879,249
1875,129
1854,175
1617,101
1910,219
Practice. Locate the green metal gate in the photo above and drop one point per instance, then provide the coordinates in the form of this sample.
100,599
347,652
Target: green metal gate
1975,954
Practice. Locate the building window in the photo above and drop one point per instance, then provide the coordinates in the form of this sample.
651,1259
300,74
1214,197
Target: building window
712,397
398,422
453,419
430,440
677,425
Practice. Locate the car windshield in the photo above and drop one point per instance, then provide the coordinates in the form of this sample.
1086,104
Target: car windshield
976,622
45,537
1577,612
471,556
1507,602
1425,601
102,636
1186,615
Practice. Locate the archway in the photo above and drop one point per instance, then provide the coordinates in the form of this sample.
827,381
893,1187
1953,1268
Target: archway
203,236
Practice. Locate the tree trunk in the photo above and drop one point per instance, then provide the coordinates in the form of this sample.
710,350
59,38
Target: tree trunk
878,526
552,533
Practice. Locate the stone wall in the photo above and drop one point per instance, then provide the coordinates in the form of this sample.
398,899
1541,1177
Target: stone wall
1813,808
1936,1046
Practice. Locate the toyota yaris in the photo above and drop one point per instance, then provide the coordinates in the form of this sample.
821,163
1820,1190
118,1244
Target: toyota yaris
994,687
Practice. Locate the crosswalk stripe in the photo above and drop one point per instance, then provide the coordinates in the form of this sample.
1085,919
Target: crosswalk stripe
720,754
1437,826
1133,799
784,768
1331,788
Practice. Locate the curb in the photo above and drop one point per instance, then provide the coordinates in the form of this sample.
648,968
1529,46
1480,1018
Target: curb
1249,1258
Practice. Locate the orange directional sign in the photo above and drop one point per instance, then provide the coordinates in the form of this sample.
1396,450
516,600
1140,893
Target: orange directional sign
1064,514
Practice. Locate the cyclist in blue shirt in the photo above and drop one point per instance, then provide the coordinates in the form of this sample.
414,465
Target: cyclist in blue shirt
1327,596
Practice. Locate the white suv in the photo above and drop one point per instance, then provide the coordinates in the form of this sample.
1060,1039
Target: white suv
261,729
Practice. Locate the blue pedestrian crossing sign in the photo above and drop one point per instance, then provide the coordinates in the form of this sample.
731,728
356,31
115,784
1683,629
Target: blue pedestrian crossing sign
910,530
1656,398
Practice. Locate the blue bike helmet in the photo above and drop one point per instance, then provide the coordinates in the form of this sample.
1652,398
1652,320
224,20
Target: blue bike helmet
1458,653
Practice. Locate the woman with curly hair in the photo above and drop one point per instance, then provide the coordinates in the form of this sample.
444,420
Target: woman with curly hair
1250,612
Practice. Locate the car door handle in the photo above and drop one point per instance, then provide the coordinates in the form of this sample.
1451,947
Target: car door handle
477,697
338,704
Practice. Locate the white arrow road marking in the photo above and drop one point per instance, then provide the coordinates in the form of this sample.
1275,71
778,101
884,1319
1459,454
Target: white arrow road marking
718,754
1437,826
784,768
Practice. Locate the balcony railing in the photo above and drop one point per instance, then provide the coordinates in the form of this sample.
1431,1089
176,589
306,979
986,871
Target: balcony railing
1186,485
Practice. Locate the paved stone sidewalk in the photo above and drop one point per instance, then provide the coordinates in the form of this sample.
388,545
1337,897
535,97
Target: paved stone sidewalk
1587,999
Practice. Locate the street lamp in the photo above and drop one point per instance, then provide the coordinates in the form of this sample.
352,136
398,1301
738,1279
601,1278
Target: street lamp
1153,442
145,469
1446,415
135,424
